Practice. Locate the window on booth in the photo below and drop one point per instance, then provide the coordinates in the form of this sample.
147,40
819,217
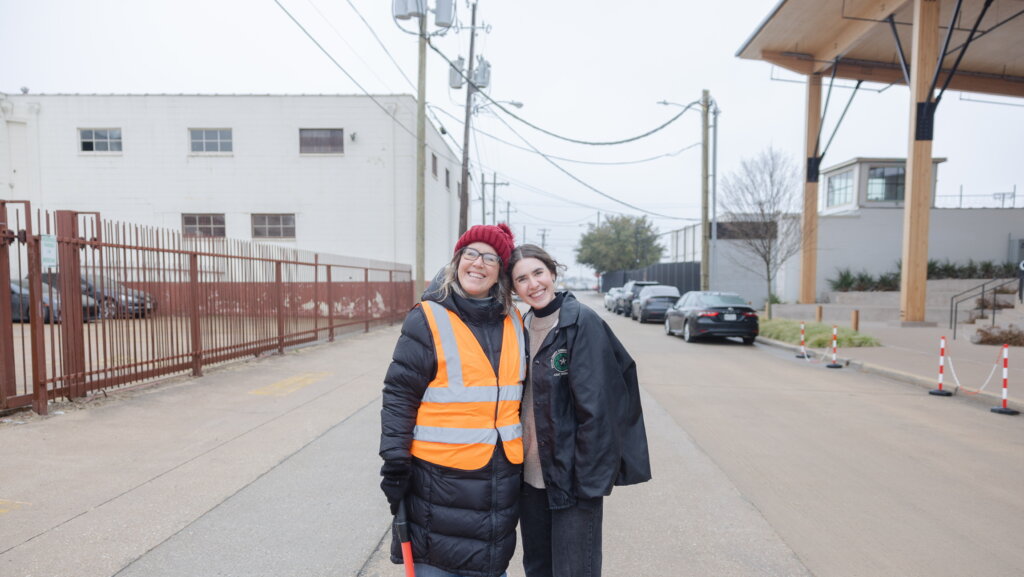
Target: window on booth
840,189
886,183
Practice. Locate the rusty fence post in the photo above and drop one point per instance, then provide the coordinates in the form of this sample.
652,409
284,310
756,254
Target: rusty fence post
279,289
40,393
818,314
194,317
855,320
8,379
330,308
69,287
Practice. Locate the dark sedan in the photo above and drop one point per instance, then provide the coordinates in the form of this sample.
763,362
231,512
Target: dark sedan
700,314
51,304
115,299
653,301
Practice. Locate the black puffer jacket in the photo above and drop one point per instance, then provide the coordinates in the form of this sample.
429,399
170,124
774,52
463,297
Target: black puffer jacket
460,521
586,404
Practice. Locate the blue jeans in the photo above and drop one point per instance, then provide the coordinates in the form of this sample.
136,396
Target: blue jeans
563,542
423,570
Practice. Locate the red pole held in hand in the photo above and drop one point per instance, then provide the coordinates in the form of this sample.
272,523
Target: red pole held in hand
402,528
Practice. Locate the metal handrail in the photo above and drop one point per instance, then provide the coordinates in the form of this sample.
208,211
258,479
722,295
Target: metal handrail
955,300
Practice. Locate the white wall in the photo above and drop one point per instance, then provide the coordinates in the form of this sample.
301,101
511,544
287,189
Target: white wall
361,203
872,240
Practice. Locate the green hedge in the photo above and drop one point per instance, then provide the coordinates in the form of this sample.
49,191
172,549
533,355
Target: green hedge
817,335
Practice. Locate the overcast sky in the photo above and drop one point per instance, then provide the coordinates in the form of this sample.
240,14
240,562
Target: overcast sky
590,71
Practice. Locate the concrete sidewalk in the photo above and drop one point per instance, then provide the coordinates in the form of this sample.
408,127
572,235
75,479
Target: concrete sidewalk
911,354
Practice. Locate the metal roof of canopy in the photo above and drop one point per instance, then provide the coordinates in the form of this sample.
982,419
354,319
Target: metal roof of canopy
808,36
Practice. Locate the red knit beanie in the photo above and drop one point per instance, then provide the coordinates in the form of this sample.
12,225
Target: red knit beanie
498,236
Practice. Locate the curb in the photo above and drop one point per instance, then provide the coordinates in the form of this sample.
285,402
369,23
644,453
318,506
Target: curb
986,398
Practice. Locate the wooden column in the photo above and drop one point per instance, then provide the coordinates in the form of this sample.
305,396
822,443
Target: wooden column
918,191
809,232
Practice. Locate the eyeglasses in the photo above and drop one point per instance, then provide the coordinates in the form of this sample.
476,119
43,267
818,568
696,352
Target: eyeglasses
471,254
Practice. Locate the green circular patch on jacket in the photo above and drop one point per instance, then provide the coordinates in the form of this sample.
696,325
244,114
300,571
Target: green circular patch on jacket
560,361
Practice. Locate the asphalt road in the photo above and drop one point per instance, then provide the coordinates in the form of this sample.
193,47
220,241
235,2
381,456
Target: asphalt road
763,466
857,474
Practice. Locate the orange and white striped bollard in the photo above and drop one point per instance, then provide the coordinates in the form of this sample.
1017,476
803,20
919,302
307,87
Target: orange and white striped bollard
940,392
1003,409
834,364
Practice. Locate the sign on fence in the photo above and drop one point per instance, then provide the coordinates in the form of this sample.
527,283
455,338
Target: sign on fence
48,250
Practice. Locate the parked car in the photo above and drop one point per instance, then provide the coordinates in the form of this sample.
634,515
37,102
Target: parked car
630,290
653,301
610,296
115,299
712,314
51,304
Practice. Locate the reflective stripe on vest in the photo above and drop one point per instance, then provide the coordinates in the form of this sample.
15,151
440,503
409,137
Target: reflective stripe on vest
467,409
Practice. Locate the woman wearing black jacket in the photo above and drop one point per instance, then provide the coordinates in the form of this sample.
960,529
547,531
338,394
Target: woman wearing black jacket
583,428
451,439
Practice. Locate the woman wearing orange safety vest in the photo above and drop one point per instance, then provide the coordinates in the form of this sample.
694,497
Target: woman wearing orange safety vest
451,439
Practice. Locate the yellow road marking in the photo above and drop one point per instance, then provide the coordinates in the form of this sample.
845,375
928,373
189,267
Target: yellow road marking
289,385
8,506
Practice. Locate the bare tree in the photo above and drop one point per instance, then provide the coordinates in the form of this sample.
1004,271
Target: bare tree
760,201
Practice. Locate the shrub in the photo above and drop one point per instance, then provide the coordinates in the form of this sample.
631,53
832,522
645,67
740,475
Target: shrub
947,270
817,335
889,281
969,270
1011,335
863,281
843,282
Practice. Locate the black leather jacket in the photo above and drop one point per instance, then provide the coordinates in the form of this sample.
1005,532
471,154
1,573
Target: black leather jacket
586,404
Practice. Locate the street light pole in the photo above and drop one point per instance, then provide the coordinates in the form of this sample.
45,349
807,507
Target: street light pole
705,248
714,197
470,86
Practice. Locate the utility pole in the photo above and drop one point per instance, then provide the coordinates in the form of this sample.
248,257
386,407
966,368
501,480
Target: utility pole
421,159
483,198
543,237
470,86
494,198
508,213
705,249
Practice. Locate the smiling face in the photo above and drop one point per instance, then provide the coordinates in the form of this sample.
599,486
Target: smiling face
476,276
533,282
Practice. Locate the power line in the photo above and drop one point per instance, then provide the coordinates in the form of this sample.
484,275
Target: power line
351,78
548,132
476,130
383,47
585,184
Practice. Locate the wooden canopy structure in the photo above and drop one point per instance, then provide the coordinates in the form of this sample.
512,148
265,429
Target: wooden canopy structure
929,45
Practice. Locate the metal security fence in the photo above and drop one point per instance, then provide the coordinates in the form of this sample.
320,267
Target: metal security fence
96,304
683,275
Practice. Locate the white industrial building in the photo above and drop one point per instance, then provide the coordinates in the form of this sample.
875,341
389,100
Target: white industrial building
326,173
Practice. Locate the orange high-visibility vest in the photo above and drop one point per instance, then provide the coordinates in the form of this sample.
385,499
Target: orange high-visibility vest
467,408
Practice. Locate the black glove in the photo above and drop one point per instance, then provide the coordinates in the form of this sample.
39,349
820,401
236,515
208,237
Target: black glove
395,484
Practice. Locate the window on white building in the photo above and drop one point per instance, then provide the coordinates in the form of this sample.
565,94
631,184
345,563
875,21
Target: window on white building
433,164
210,140
99,139
447,179
203,225
886,183
321,140
840,189
273,226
